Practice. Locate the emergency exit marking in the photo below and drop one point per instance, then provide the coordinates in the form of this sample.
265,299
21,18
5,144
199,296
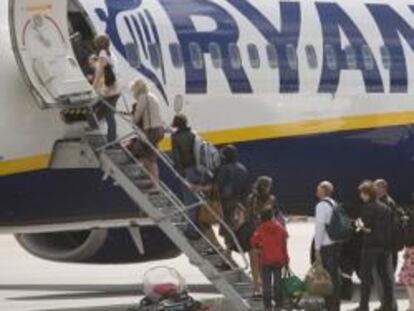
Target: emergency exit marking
39,7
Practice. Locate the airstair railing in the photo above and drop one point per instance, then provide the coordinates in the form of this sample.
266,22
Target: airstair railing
126,116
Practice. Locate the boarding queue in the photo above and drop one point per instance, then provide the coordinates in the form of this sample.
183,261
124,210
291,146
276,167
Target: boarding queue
373,238
383,228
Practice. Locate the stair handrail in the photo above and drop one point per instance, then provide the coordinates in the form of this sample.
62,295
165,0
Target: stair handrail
136,131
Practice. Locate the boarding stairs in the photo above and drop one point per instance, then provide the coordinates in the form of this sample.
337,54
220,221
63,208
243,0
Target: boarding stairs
161,202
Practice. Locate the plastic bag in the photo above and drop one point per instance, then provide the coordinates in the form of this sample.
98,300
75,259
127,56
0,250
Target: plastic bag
292,285
163,282
318,281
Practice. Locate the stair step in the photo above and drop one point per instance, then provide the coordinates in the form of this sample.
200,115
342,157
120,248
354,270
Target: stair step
96,141
119,156
144,184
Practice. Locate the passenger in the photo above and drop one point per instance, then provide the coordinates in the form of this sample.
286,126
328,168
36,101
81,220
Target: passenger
381,188
232,182
105,82
270,241
183,140
147,116
205,187
376,227
326,249
407,271
261,198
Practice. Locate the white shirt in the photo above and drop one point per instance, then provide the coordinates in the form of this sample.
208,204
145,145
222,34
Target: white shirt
323,215
148,109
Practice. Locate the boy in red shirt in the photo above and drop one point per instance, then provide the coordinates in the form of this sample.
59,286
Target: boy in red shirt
270,239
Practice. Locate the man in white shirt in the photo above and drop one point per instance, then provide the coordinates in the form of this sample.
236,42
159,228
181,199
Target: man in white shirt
326,249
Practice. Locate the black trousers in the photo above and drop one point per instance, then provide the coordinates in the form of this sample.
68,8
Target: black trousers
271,283
377,259
331,261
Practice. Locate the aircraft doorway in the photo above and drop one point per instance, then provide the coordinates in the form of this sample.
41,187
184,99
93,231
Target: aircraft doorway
44,36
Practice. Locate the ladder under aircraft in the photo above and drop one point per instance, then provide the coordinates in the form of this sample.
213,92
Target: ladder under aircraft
161,202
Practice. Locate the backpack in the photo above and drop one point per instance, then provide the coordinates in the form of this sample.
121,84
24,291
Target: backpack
340,227
206,154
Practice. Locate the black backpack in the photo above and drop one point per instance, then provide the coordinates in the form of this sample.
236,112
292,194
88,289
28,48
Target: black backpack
340,227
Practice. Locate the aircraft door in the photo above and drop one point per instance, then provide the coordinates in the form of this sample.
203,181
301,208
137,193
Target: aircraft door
42,45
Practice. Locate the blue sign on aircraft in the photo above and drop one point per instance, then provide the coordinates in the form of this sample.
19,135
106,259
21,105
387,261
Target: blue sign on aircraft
334,22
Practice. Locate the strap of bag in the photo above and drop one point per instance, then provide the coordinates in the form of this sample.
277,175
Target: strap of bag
147,110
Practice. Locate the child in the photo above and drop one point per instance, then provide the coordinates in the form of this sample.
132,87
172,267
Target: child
270,239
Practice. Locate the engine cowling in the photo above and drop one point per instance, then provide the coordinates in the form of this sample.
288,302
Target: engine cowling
99,246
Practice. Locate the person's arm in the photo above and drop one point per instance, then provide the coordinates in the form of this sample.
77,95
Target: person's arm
99,73
176,155
367,217
256,240
285,247
320,224
221,179
139,113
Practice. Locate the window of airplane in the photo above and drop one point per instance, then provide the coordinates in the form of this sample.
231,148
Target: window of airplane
330,57
367,57
176,55
132,54
311,56
196,55
155,55
215,53
234,54
254,56
351,59
292,56
272,56
386,57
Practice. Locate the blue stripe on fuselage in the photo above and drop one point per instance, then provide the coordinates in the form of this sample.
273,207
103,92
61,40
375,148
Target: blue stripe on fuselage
297,164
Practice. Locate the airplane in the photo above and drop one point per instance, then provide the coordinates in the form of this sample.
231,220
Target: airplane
306,90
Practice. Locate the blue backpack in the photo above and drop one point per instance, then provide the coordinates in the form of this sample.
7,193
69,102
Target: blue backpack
340,227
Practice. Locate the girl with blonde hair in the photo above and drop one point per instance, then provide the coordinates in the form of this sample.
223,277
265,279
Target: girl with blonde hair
147,116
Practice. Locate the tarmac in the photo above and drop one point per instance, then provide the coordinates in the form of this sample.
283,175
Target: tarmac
29,283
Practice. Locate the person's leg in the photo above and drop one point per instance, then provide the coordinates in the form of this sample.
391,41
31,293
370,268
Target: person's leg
386,280
267,287
377,284
367,260
410,291
110,118
151,165
255,267
330,260
111,124
211,236
277,289
189,199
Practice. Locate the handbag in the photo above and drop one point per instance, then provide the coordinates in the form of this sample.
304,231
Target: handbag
292,285
210,213
318,281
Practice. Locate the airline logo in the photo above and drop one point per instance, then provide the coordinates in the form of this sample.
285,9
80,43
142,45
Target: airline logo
336,25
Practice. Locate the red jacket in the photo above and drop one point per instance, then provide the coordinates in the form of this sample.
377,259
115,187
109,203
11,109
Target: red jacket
271,238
